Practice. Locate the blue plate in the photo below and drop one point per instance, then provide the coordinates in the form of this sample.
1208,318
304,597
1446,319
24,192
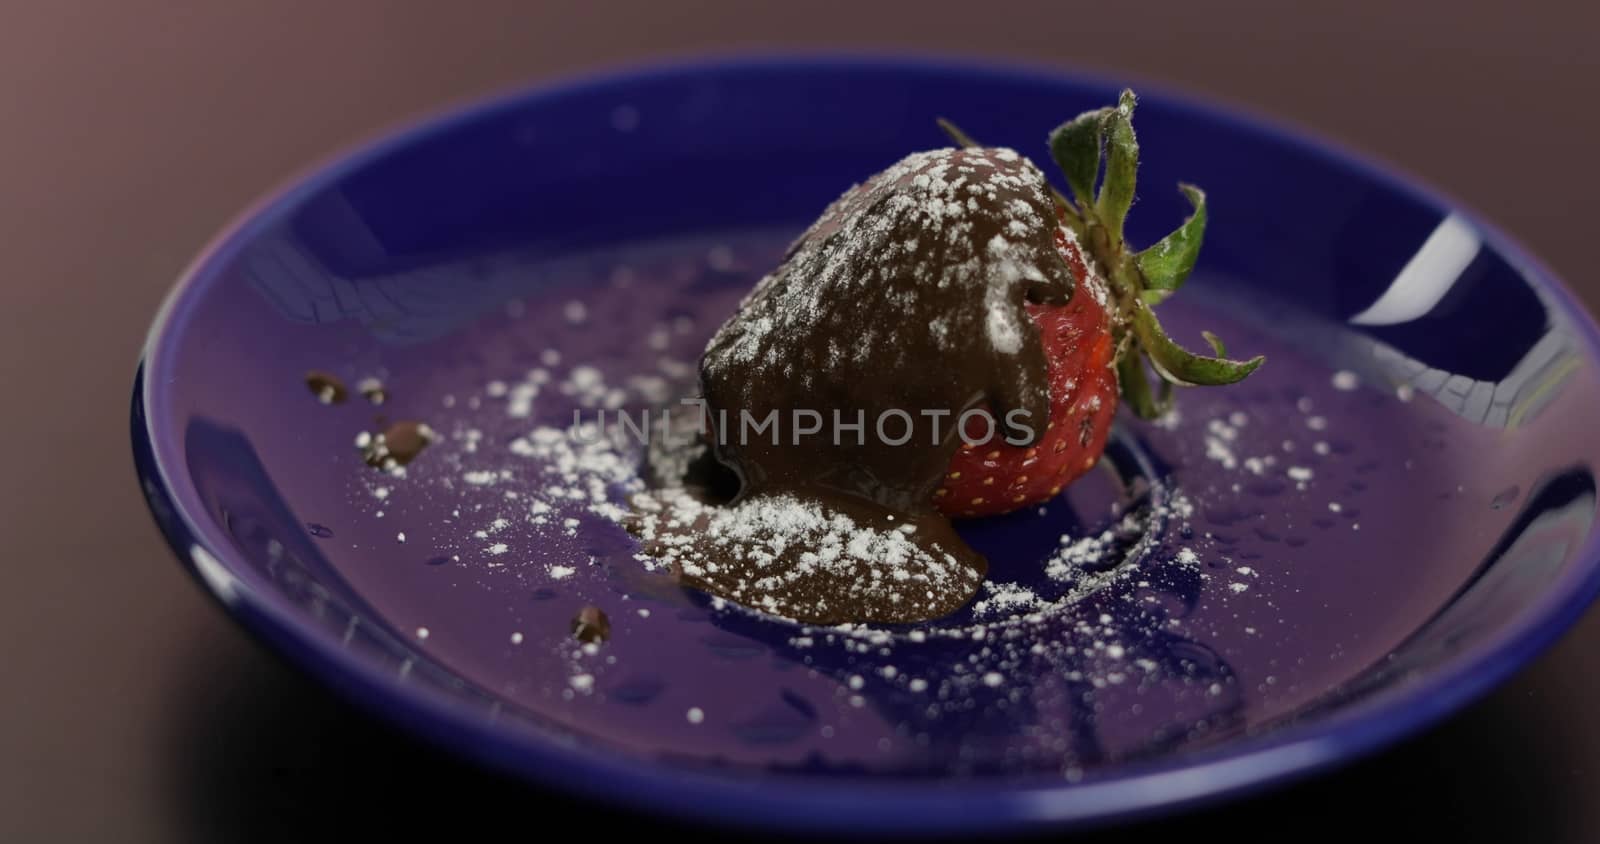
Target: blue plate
1387,519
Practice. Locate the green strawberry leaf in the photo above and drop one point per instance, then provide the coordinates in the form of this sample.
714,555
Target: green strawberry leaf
1136,386
1075,146
1181,366
1122,168
1167,263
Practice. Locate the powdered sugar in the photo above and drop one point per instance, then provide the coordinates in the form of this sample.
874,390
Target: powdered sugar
1002,320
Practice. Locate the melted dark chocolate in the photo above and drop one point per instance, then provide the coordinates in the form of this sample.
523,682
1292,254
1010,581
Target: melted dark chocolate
373,390
397,445
326,387
591,625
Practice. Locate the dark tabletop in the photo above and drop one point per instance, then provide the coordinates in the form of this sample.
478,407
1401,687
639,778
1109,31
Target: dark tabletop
131,130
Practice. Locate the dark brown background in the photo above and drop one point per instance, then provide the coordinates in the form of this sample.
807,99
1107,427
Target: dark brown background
130,130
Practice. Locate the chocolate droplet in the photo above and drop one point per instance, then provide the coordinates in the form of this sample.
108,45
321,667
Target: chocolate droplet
373,390
396,445
591,625
326,386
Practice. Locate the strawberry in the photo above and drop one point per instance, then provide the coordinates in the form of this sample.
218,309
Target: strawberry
1097,343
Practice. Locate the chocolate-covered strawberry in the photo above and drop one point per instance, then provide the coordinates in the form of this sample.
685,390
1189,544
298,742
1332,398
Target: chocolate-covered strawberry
956,282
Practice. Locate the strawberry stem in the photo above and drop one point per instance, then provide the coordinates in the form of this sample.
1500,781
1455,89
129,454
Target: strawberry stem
1139,280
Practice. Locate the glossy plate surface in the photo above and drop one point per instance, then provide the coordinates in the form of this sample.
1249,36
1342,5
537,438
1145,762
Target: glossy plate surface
1391,516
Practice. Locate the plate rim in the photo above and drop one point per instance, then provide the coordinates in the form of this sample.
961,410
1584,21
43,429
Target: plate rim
1230,770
